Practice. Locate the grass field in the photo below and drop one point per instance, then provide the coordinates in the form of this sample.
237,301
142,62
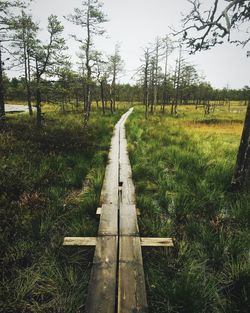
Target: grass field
50,184
182,167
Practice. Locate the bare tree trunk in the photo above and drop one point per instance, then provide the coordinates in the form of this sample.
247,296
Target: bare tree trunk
2,106
38,99
175,87
102,97
146,106
145,85
114,93
28,85
146,98
241,177
152,83
164,100
87,106
87,100
177,91
112,99
26,64
38,107
156,82
111,106
27,78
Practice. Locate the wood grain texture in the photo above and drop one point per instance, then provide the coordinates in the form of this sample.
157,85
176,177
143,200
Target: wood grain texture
79,241
103,280
117,278
131,282
131,286
102,287
109,189
108,220
156,242
128,220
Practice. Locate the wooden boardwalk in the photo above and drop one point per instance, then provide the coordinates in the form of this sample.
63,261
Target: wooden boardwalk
117,277
117,281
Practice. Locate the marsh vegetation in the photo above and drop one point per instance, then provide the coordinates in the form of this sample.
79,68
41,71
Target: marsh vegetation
189,146
182,168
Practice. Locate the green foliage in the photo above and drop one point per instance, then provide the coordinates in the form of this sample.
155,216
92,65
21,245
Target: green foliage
182,168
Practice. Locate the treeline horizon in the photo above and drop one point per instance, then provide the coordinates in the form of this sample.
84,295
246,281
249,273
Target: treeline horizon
69,90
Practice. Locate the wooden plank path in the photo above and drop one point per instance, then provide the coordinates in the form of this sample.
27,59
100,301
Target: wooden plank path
117,281
131,283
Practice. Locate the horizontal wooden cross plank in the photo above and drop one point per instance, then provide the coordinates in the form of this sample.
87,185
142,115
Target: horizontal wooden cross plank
156,242
144,241
79,241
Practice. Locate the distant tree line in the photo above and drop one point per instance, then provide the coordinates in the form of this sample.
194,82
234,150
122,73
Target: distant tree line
69,90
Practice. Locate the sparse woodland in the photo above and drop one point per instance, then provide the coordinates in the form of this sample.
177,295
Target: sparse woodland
189,147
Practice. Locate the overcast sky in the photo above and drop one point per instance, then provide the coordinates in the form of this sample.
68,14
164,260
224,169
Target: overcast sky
135,23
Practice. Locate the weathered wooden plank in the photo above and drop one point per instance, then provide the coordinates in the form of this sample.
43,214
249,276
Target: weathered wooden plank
128,220
108,220
131,285
131,295
103,280
79,241
156,242
110,183
102,287
131,282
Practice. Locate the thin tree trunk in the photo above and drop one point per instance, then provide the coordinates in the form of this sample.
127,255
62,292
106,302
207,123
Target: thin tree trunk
241,175
38,107
28,85
164,100
146,105
87,101
177,91
26,64
27,79
38,99
146,91
2,106
111,106
145,85
102,98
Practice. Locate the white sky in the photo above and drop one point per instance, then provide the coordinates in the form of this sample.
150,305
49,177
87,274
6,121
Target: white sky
135,23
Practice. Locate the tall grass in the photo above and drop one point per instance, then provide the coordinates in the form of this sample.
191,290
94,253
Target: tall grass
182,167
50,183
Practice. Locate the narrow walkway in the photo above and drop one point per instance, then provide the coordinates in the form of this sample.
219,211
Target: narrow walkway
15,108
117,278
